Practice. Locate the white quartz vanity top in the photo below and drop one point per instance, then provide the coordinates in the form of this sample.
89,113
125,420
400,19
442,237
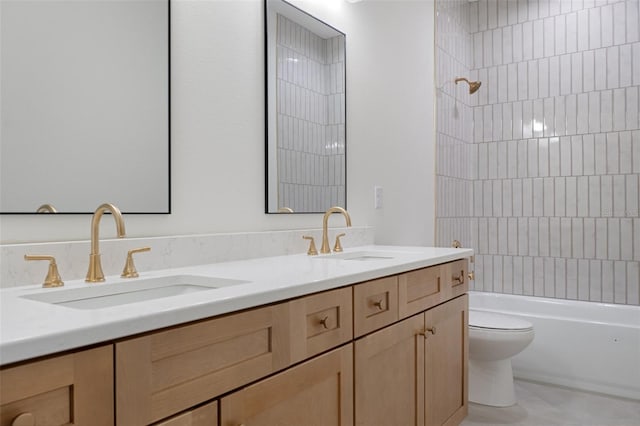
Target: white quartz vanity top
31,328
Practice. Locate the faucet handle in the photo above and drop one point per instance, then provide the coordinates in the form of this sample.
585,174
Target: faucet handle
53,277
338,247
312,246
129,270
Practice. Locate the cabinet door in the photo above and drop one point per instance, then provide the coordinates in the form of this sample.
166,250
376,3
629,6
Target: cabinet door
446,357
389,375
169,371
318,392
73,389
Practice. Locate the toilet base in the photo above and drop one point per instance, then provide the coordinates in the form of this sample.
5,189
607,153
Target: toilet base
491,383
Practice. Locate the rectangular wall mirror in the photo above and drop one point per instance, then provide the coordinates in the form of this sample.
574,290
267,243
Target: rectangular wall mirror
305,112
85,112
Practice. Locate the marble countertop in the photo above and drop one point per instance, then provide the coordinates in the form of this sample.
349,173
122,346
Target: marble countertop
30,328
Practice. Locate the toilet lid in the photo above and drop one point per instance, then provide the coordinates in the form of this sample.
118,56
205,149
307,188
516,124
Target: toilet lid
480,319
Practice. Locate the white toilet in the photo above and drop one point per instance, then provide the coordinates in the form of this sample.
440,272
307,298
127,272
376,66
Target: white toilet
493,340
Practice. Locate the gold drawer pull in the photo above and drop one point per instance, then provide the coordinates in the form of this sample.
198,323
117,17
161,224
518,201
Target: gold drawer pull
24,419
460,279
426,332
379,305
324,321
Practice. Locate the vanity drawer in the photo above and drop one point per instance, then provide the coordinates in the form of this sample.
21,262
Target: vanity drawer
73,389
375,304
420,290
320,322
206,415
456,277
163,373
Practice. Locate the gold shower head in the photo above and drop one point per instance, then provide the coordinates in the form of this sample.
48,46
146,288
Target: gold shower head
473,85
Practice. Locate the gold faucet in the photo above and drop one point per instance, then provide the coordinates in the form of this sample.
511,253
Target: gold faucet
95,274
325,220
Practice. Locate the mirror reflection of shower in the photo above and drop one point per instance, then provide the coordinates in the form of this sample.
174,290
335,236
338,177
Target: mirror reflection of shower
473,85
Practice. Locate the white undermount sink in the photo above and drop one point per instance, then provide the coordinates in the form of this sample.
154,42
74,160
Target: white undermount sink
96,296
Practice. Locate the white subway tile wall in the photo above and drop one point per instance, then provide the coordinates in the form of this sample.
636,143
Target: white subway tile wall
310,118
539,171
457,169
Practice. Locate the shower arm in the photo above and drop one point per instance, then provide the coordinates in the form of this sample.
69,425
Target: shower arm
473,85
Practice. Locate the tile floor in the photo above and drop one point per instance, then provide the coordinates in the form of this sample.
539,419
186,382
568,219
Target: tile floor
545,405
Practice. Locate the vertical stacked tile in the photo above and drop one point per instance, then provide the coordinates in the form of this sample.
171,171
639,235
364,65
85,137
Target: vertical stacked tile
456,152
557,131
310,118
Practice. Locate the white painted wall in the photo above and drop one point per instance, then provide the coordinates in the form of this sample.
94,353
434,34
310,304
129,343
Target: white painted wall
218,125
390,122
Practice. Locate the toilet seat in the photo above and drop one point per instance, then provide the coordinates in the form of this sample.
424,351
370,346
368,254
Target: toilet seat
497,322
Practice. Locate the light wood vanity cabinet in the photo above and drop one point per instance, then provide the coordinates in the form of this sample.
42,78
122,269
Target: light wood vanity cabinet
71,389
394,346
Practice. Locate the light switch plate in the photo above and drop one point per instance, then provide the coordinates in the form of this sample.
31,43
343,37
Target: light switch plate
377,195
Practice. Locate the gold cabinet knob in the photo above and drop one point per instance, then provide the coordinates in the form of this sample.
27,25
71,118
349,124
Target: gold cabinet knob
379,304
427,331
472,276
458,279
338,247
129,270
24,419
53,277
456,244
324,322
312,246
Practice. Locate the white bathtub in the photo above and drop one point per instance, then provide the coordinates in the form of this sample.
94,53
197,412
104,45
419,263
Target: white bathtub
583,345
